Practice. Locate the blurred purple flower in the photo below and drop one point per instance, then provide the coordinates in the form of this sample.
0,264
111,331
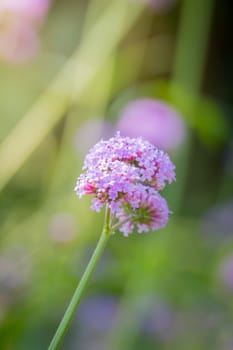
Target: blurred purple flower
217,224
160,321
229,346
90,132
19,21
62,228
15,271
155,120
226,273
98,313
12,275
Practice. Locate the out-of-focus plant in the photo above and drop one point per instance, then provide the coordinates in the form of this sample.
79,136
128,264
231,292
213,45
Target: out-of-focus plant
155,120
19,24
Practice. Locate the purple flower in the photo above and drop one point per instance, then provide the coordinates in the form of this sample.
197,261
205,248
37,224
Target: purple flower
159,123
151,213
160,321
19,21
98,312
126,173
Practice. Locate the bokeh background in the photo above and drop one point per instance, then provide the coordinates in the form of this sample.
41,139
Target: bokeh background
71,73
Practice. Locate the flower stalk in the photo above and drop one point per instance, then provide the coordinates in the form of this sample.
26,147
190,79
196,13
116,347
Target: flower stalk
70,311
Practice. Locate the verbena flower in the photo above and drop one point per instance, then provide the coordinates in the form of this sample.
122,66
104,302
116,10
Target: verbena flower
151,213
126,174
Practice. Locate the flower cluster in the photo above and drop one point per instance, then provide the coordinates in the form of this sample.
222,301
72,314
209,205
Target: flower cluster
126,174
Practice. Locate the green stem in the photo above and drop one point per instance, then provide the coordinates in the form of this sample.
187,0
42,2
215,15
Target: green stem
70,311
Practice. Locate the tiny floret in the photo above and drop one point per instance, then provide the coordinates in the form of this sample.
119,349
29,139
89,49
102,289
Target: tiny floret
126,174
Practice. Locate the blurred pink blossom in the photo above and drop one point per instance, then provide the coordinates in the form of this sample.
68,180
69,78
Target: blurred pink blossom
19,24
154,120
29,10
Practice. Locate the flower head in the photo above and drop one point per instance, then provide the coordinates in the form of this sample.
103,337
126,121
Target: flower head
126,174
151,213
